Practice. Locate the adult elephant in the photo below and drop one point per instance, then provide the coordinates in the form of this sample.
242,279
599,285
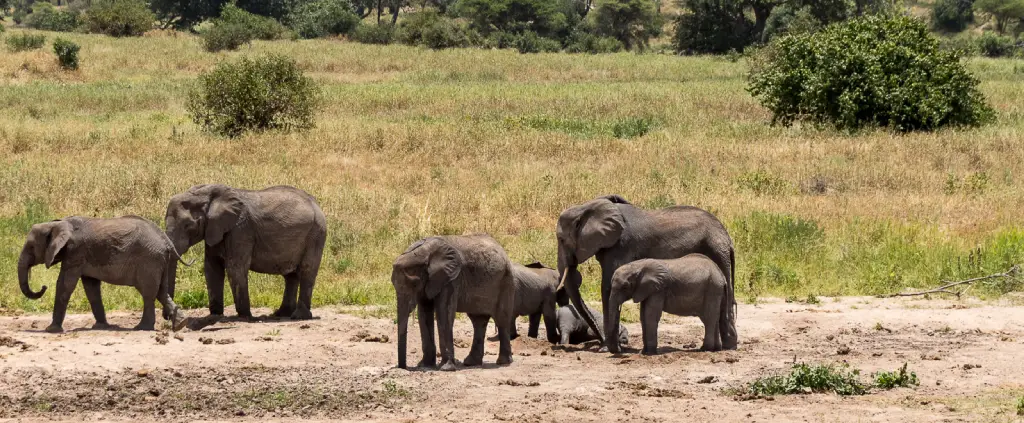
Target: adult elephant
616,233
278,230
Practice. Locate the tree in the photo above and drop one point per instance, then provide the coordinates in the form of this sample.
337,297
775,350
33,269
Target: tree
1003,11
952,15
544,17
185,14
712,26
633,22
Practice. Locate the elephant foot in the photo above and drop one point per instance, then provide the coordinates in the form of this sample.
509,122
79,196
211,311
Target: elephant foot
55,329
179,321
504,360
101,326
650,351
604,349
473,361
448,366
301,314
145,326
425,364
282,313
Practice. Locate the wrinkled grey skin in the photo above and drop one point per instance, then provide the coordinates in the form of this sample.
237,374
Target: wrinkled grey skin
535,286
278,231
128,251
690,286
447,274
616,233
574,330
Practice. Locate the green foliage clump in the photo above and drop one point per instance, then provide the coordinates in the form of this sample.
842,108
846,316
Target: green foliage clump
235,27
25,41
805,379
633,127
430,29
712,26
1020,406
46,17
879,70
119,18
67,53
1004,12
995,45
266,93
952,15
896,379
383,33
320,18
632,22
530,42
548,18
583,41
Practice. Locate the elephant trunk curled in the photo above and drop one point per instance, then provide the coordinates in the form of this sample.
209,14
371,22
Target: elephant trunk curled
25,263
572,279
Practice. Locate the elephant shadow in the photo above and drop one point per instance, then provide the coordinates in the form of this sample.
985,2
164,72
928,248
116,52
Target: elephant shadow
458,367
110,328
204,323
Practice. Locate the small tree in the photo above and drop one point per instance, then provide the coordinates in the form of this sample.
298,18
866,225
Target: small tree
119,18
633,22
1002,11
712,26
266,93
319,18
67,53
236,27
46,17
952,15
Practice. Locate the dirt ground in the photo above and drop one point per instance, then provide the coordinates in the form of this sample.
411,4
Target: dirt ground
969,357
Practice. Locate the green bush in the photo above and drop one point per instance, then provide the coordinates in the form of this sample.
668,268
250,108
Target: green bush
952,15
320,18
712,26
805,379
383,33
961,45
501,40
879,70
225,37
119,18
632,22
235,27
430,29
25,41
67,53
46,17
587,42
548,18
530,42
266,93
995,45
897,379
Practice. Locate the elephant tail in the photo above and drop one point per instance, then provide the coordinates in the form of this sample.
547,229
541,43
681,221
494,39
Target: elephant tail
731,283
175,251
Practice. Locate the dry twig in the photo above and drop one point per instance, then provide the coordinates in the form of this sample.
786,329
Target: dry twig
945,289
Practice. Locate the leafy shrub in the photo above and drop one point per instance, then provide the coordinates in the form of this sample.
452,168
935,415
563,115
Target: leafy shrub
67,53
25,41
265,93
897,379
428,28
320,18
225,37
530,42
235,27
961,45
383,33
994,45
877,70
790,18
586,42
712,26
952,15
805,379
547,18
501,39
632,22
1020,406
119,18
46,17
632,127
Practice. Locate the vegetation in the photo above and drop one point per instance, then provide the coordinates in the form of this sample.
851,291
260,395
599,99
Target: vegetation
1003,12
856,74
806,379
25,41
119,18
67,53
632,22
374,34
319,18
46,17
900,378
236,27
265,93
952,15
1020,406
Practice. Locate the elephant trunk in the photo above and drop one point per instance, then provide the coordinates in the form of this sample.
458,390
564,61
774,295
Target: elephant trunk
611,322
572,280
404,309
25,263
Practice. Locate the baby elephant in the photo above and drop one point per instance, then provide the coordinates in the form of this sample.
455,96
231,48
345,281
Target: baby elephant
535,286
689,286
575,330
129,251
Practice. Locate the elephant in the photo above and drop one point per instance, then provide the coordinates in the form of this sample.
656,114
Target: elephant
443,275
278,230
574,330
693,285
535,286
617,232
128,251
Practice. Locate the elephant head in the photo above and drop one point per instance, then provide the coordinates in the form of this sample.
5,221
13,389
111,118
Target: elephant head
637,281
582,232
204,212
424,270
44,244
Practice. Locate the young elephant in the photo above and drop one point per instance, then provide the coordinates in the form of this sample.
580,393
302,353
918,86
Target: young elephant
535,286
449,274
575,330
690,286
130,251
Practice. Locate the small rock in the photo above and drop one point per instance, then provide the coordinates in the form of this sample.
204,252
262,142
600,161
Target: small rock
179,337
843,350
544,352
205,341
304,326
142,373
708,379
731,360
226,341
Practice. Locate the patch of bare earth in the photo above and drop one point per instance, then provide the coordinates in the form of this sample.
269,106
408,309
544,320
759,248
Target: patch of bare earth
341,367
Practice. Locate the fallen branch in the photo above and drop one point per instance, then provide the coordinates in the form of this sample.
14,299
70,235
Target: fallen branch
945,289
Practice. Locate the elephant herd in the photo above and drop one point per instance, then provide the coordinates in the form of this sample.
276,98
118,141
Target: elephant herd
678,260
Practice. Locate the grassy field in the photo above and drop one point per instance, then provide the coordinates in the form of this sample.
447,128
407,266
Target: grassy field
412,142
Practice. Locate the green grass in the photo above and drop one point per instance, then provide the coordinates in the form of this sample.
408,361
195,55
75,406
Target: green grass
806,379
899,378
413,142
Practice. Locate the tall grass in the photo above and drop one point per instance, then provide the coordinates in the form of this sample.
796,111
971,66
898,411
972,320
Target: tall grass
413,142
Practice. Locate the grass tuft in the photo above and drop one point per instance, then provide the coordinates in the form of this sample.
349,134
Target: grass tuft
806,379
900,378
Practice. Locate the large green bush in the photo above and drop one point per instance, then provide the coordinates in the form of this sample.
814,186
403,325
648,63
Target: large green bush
46,17
266,93
548,18
67,53
877,70
952,15
633,22
530,42
582,41
712,26
430,29
320,18
236,27
119,18
383,33
995,45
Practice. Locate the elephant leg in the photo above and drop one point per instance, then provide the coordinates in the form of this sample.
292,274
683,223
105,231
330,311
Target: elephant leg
148,307
445,310
238,276
551,323
709,317
476,353
307,279
66,282
425,315
534,330
213,267
650,315
171,311
505,339
92,292
291,289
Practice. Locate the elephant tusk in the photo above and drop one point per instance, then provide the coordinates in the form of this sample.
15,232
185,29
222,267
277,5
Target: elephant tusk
565,274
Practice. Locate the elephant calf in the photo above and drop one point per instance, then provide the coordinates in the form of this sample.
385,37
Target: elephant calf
575,330
129,251
535,286
690,286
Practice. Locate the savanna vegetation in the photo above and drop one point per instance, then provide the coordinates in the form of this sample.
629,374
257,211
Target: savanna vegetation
407,141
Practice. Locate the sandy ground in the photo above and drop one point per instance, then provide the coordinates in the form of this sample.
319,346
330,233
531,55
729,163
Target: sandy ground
969,357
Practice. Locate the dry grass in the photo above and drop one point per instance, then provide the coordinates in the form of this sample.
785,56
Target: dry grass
413,142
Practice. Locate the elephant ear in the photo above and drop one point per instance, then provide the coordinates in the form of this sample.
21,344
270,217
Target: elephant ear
536,265
651,281
599,228
60,234
222,215
614,198
445,264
